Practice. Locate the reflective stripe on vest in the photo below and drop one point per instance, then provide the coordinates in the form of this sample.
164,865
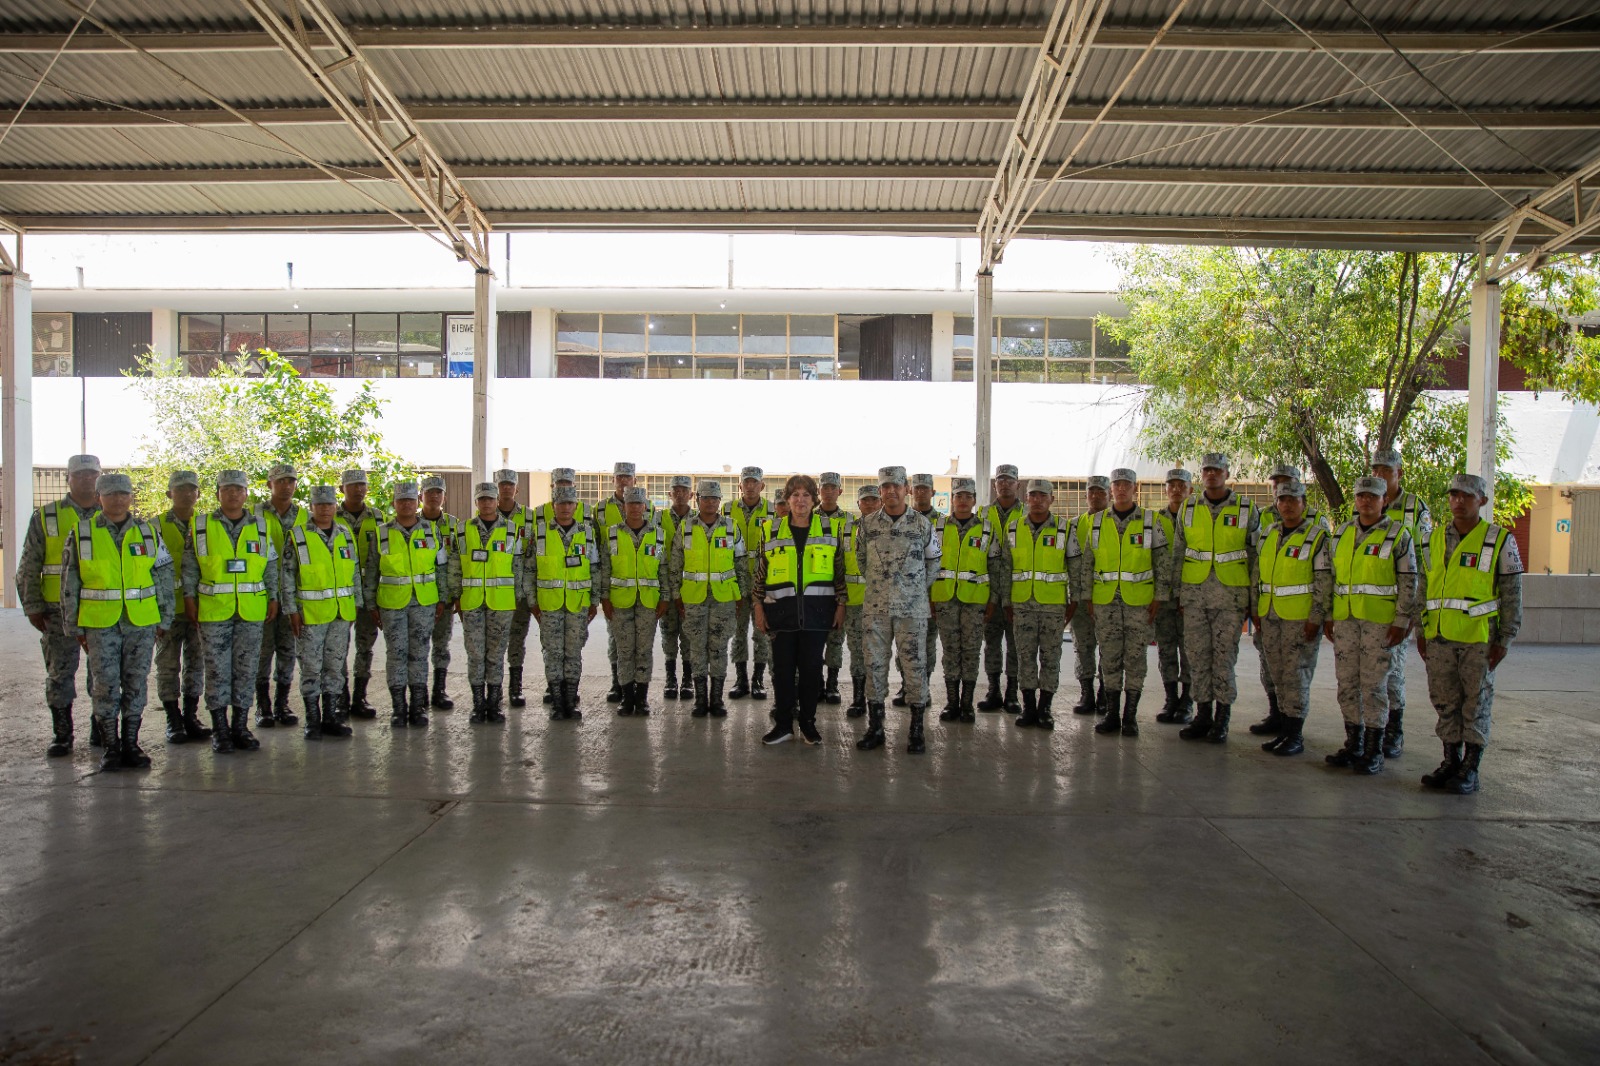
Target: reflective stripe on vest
243,592
1287,572
1212,542
1365,578
117,581
1043,577
1462,592
1123,565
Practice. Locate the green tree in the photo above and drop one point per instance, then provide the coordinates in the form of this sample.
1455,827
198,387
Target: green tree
1540,330
251,412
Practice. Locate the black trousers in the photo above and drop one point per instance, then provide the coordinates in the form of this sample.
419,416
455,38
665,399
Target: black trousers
797,675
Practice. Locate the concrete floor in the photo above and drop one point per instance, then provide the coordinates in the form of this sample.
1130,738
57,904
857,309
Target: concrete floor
668,890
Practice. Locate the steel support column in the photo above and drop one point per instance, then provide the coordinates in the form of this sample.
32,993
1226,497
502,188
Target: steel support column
16,417
983,378
485,351
1483,385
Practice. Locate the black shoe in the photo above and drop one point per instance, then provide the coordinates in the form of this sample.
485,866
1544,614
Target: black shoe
625,706
133,756
1030,709
96,739
1352,747
669,691
701,705
1447,770
547,699
899,697
641,699
1100,696
264,706
952,702
280,707
916,744
968,691
1465,782
873,737
615,695
1111,723
397,699
777,735
714,703
1011,704
515,685
1394,737
191,719
1047,720
359,707
111,758
176,734
1197,729
441,701
741,683
758,683
830,687
415,715
331,726
243,739
1087,704
1171,702
808,732
221,738
313,730
1371,760
1290,741
492,710
569,697
61,732
858,697
1272,724
480,703
992,700
558,701
1219,723
1130,713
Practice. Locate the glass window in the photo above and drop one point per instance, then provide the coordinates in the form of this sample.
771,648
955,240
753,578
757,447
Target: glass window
577,366
811,369
961,338
421,366
671,366
716,367
622,333
1070,338
1114,372
811,334
671,334
52,345
759,369
1022,336
244,331
961,370
615,367
376,366
765,335
718,334
1024,370
578,333
1069,372
422,333
1107,347
286,334
849,367
331,333
199,333
327,366
377,333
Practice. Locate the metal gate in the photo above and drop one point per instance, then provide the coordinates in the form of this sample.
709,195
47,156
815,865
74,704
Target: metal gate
1585,557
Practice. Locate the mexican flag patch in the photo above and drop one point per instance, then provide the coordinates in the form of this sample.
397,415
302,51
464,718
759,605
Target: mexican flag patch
1469,559
1296,552
136,549
1230,520
1371,549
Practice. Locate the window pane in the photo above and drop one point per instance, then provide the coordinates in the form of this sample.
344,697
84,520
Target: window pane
577,366
328,366
376,333
811,334
961,338
1107,348
757,369
331,333
421,366
1071,373
849,348
807,368
672,334
52,345
961,370
716,367
716,333
671,366
1070,338
422,333
199,333
765,335
1022,336
614,367
1114,372
622,333
376,366
1028,370
246,331
578,333
285,334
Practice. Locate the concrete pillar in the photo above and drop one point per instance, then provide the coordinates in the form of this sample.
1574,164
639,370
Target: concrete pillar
16,418
1483,385
944,331
983,377
164,332
484,353
542,344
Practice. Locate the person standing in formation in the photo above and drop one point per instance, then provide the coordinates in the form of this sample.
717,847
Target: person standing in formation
322,595
521,520
748,512
706,578
628,586
180,665
997,629
673,645
1125,562
281,514
1032,581
607,513
449,529
1409,510
1274,723
363,522
1170,653
961,596
1293,581
868,501
558,570
830,484
922,503
1091,687
403,583
486,572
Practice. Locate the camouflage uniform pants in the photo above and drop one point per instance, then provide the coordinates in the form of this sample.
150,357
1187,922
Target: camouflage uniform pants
322,651
1038,627
407,632
1291,661
444,627
562,635
120,670
486,634
674,644
1397,676
744,632
706,629
855,636
1461,686
277,638
1211,637
233,654
1361,667
906,639
517,637
961,633
366,637
930,655
1170,652
178,654
994,630
60,661
1267,680
833,653
1122,631
635,630
1083,646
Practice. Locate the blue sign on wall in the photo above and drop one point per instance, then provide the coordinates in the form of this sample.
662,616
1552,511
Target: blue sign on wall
1563,525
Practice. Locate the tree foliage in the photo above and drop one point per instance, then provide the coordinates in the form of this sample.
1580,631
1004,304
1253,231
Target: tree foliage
252,412
1539,332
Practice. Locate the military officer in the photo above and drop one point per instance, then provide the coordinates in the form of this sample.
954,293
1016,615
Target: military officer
230,590
628,586
363,521
997,627
1032,583
673,645
922,503
868,501
899,557
1126,580
116,597
322,594
281,514
830,485
486,573
607,513
748,512
520,519
1274,723
961,595
1214,542
180,667
706,578
1091,698
1409,509
1470,615
1170,653
401,584
39,573
1293,580
558,568
449,527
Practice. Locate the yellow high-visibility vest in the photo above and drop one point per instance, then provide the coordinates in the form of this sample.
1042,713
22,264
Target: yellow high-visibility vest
1221,542
963,561
488,567
1366,579
1038,560
1462,593
327,581
708,562
232,576
408,563
117,581
1287,572
635,566
1123,563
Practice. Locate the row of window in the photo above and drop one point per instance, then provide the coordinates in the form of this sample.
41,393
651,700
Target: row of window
1039,350
636,334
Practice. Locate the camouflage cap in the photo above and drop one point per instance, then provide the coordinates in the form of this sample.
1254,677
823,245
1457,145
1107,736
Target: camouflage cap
963,485
779,496
709,489
1374,486
433,481
1100,481
1470,483
1125,473
1288,470
505,476
324,494
353,477
922,481
1387,457
830,477
485,490
623,470
564,494
751,473
107,483
635,494
1006,470
557,474
1291,487
891,475
80,463
1039,484
233,477
1178,473
280,471
180,478
1215,461
682,481
407,490
868,492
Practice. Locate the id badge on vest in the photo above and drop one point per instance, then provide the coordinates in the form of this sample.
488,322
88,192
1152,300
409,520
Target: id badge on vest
480,555
235,566
574,560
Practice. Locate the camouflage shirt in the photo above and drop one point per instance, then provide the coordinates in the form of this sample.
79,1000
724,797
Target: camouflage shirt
232,527
899,557
30,567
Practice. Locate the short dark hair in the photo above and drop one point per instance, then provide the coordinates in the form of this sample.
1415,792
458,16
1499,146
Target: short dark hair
802,481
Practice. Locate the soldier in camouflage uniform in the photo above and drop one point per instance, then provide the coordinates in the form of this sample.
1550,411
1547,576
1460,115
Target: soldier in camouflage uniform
563,603
1275,721
673,644
1091,699
899,557
962,596
39,573
830,484
1374,601
1170,653
1126,578
406,585
1041,608
1293,580
231,539
449,527
281,514
607,513
105,586
748,512
1409,509
868,501
485,619
703,599
997,627
631,595
363,521
323,645
1471,613
922,503
178,651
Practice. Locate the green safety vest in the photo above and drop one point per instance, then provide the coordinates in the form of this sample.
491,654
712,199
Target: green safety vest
488,568
635,567
963,561
1287,572
232,577
327,574
1365,578
302,516
117,581
1462,591
800,593
172,536
1038,560
60,521
563,580
1122,563
847,527
408,563
749,522
365,529
1220,542
708,562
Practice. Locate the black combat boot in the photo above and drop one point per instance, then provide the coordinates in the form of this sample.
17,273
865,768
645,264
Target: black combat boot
899,697
1012,706
415,712
715,705
1290,741
547,699
280,706
191,719
1171,703
558,705
569,696
479,704
1030,709
441,701
1100,696
1130,713
133,756
175,731
1111,723
1394,737
397,698
1219,724
858,697
1370,760
1272,724
615,695
331,726
1197,729
1447,770
492,710
264,705
830,687
992,700
313,730
669,691
625,708
969,689
952,702
641,699
916,744
1047,719
701,706
873,737
359,707
61,732
741,682
96,737
1352,747
1182,712
221,738
514,683
111,758
1465,782
243,739
758,683
1087,704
